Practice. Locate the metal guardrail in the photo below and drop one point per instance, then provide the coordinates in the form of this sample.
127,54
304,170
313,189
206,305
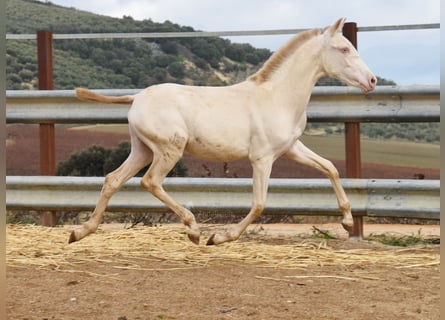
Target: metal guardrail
374,198
327,104
151,35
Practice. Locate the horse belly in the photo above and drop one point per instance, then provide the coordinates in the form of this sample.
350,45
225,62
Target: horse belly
217,148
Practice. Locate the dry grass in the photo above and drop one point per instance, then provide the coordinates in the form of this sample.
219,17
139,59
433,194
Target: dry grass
128,249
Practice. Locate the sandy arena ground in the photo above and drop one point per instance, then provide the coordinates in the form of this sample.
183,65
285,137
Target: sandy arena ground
272,272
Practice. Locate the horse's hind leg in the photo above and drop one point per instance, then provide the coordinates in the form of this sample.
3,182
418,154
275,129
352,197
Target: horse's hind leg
300,153
139,157
162,163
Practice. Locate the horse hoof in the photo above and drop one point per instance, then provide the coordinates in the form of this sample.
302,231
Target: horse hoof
210,242
72,238
348,226
193,237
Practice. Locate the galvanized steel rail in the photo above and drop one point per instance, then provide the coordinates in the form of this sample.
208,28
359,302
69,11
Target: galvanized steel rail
327,104
373,198
154,35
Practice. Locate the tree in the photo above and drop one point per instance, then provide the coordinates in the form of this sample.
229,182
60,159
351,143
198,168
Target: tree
169,47
208,49
236,52
177,70
163,60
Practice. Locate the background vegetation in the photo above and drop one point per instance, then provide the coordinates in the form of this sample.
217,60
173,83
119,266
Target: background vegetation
119,63
98,161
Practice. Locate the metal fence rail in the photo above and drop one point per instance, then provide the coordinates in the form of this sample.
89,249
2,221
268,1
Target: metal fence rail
327,104
374,198
153,35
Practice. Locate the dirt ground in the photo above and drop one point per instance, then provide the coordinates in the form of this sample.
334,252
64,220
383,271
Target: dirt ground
95,287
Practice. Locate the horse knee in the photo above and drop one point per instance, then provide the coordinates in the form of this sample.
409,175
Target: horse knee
332,171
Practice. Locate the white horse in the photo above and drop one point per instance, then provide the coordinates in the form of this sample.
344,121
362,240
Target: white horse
261,118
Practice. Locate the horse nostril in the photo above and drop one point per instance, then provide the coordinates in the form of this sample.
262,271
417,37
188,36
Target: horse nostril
373,80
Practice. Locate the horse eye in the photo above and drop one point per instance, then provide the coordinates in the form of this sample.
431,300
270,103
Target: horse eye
344,50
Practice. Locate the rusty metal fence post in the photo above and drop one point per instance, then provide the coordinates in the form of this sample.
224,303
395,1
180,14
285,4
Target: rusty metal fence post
352,140
47,131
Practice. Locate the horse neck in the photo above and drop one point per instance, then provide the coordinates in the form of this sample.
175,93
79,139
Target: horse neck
296,77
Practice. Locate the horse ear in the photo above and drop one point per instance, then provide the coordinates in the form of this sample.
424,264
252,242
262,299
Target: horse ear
336,27
339,24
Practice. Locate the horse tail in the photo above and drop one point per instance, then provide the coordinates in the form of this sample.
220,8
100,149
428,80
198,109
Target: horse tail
88,95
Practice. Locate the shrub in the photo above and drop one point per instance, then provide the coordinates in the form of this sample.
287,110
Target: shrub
177,70
85,163
98,161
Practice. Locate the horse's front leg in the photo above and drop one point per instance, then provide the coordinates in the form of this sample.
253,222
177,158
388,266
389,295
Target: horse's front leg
261,174
302,154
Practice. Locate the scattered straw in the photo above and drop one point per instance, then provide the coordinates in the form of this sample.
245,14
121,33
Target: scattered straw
323,277
168,246
287,278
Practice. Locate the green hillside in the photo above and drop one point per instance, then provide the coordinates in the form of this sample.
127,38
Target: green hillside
122,63
119,63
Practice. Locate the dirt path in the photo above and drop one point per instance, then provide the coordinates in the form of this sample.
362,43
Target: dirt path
225,291
154,273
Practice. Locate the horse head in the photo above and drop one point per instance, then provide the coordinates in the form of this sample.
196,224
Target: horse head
341,60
